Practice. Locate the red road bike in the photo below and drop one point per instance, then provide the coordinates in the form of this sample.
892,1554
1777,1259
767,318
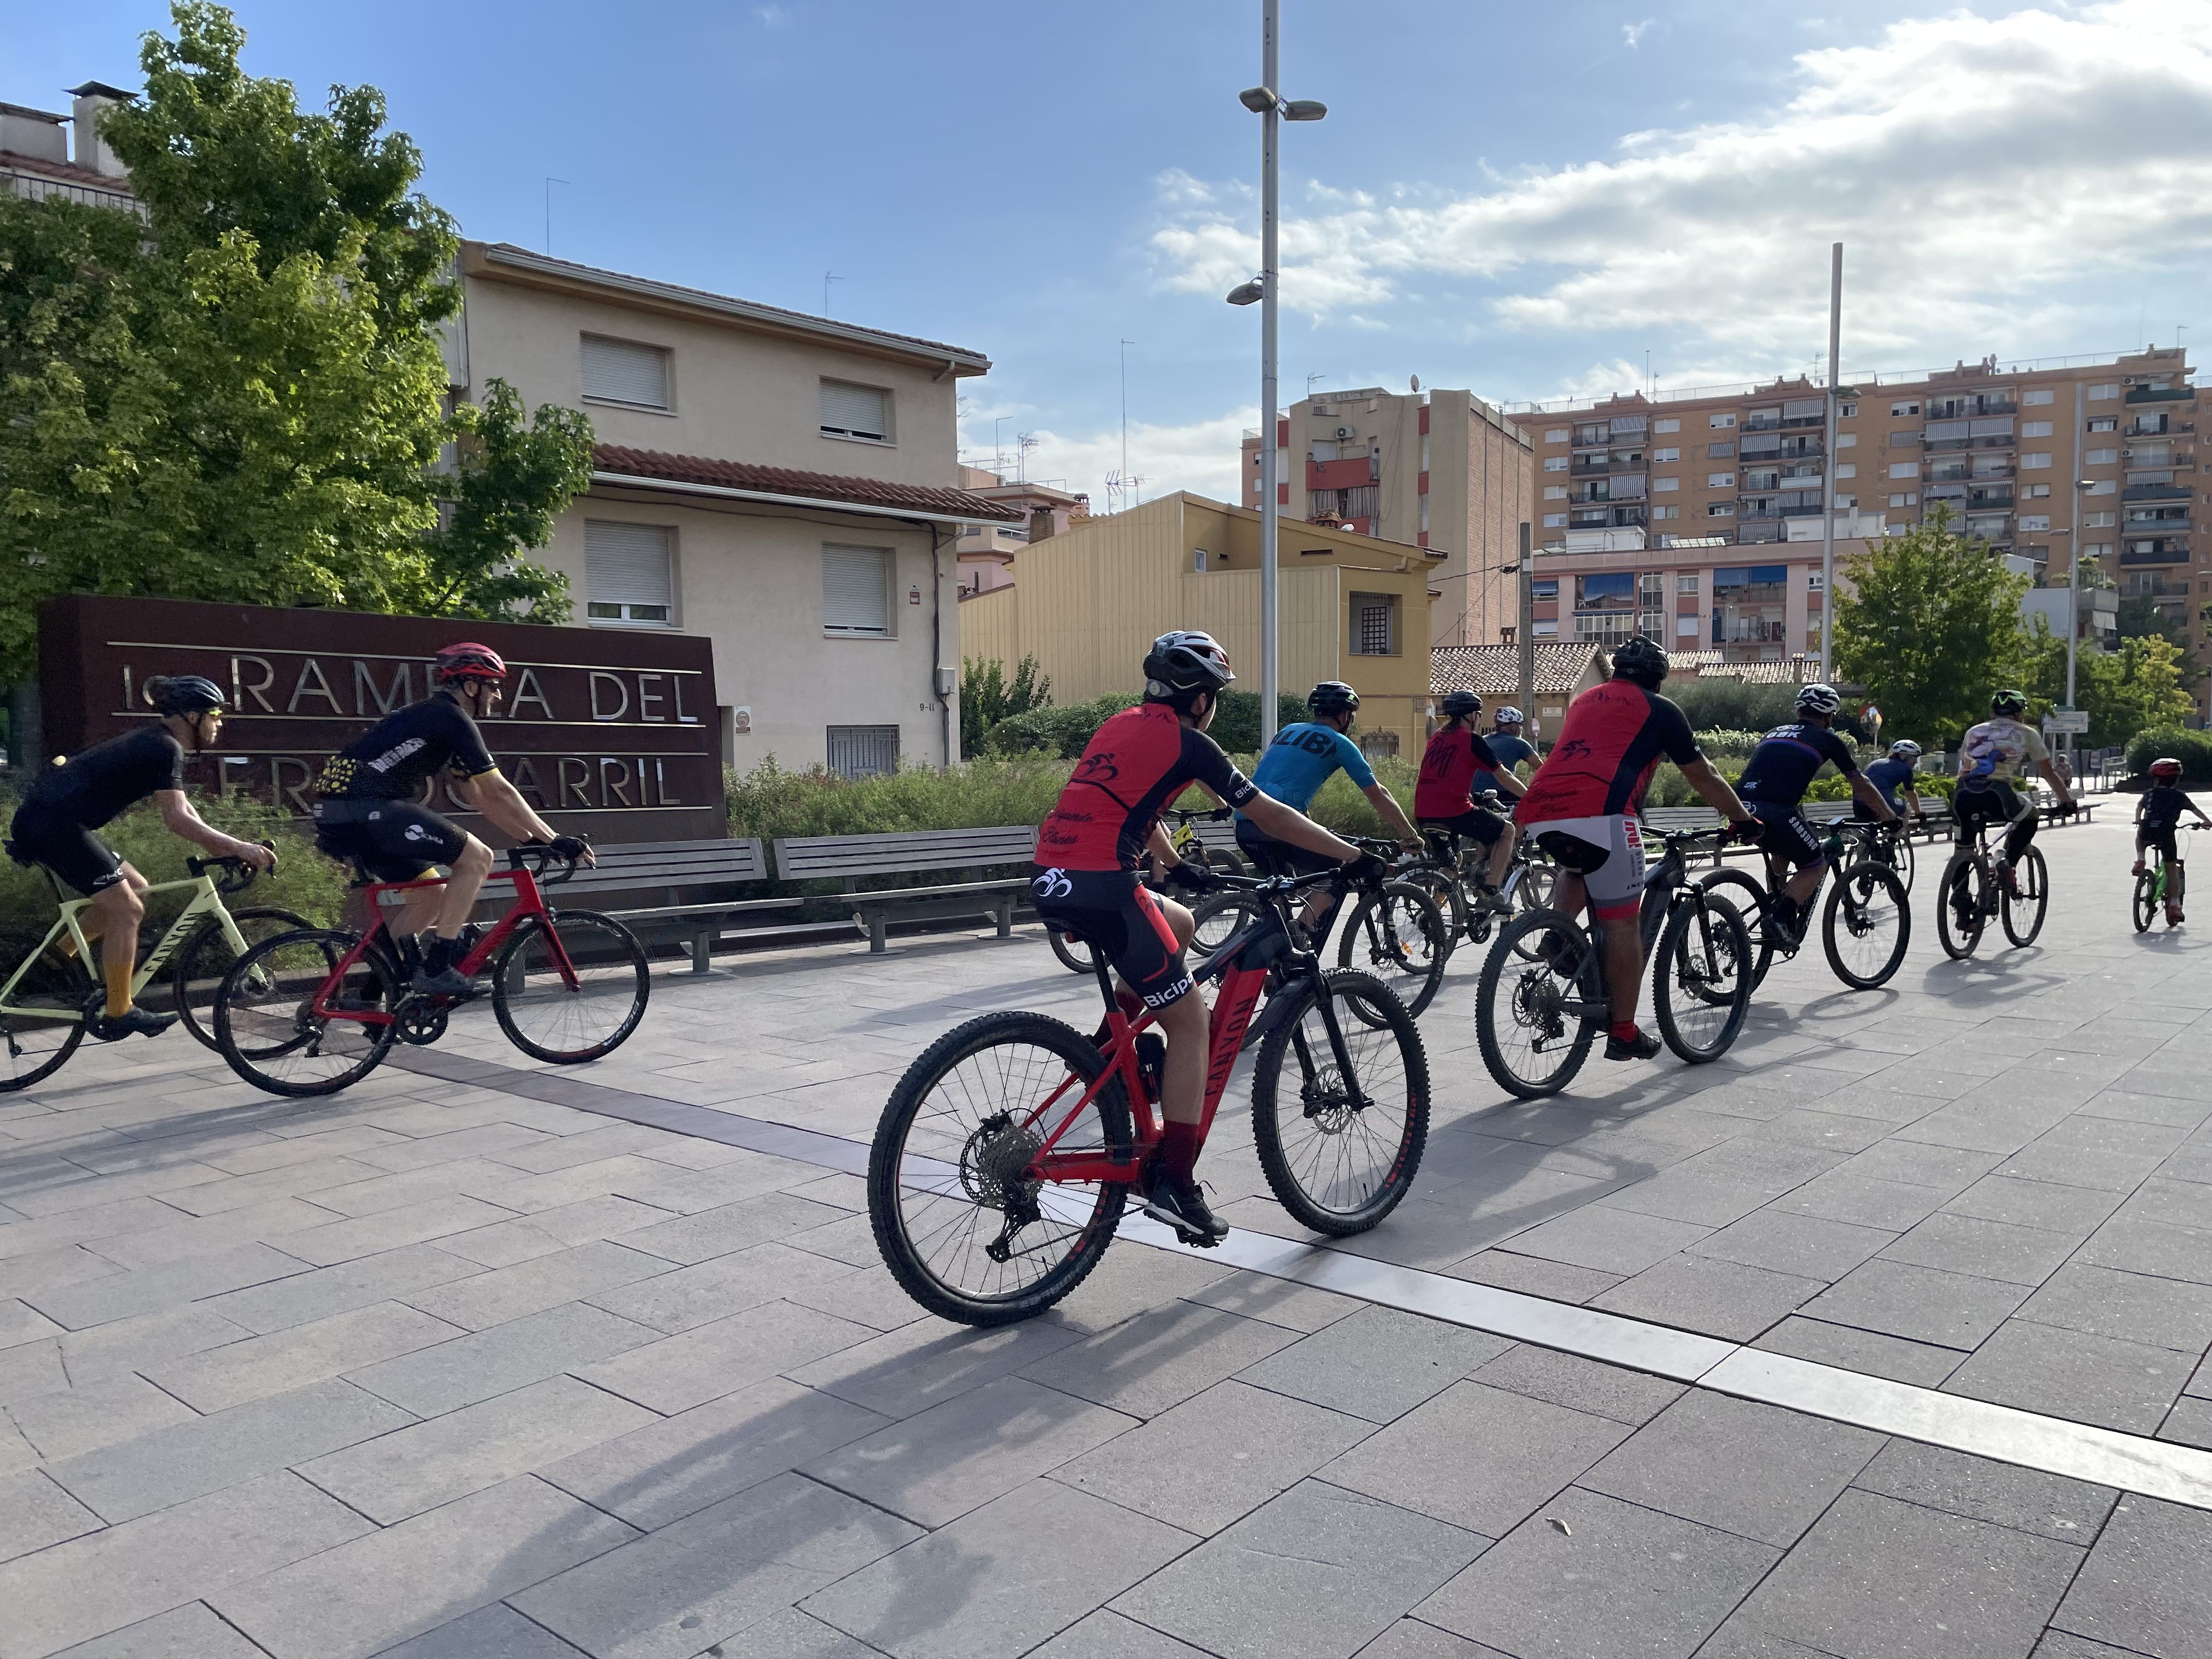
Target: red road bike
1006,1154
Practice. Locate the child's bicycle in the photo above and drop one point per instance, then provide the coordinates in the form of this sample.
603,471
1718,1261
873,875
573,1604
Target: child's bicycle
309,1012
1006,1154
48,1002
2158,888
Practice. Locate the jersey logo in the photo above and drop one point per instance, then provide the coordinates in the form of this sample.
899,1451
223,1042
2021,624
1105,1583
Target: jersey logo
1053,883
1572,748
1097,768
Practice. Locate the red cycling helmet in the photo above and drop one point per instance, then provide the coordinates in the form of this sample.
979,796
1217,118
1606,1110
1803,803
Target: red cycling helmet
468,661
2166,768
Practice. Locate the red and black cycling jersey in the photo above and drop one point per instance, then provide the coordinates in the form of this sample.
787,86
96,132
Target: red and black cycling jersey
1611,740
1132,772
1780,768
1449,764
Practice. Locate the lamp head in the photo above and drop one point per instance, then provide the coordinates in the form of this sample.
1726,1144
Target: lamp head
1246,293
1305,109
1258,100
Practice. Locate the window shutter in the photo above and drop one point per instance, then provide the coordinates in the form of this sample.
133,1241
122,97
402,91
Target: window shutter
863,751
855,412
856,590
625,371
629,573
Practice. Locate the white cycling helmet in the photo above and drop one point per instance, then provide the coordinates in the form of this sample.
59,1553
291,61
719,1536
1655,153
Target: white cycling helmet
1904,748
1185,660
1818,700
1510,715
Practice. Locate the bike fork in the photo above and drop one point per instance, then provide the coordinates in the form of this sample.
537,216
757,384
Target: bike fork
1354,1095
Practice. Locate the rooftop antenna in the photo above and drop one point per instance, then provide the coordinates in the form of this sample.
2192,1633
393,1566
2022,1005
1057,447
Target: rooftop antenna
550,182
1024,442
1126,344
1311,379
999,446
828,277
1136,491
1113,493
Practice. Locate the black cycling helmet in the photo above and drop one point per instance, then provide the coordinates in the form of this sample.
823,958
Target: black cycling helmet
184,694
2009,702
1183,662
1460,705
467,661
1332,697
1641,660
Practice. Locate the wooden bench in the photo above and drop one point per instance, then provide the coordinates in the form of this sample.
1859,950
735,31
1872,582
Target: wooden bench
851,858
678,871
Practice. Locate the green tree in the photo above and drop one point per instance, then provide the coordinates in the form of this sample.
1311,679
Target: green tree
2132,690
242,397
1930,627
987,697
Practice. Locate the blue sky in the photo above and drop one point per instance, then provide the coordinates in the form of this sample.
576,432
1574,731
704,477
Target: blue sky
1523,199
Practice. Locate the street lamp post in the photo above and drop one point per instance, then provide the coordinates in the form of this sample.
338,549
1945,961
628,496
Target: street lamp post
1828,464
1270,107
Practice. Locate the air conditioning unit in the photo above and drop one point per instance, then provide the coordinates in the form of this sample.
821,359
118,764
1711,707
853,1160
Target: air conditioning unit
1346,432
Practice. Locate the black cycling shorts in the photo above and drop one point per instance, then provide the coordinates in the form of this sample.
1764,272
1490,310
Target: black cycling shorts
1484,827
2162,836
1270,857
1788,835
65,847
1113,910
391,840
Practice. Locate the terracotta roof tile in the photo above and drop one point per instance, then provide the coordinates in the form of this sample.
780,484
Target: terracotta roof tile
63,172
1495,670
784,481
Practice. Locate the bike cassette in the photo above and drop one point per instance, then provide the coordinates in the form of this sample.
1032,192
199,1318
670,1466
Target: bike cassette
420,1023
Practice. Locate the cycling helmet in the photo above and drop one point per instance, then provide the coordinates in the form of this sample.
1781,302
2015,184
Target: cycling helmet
1904,748
1640,659
1510,715
468,661
2165,766
1818,700
1332,697
184,693
2009,702
1183,661
1460,705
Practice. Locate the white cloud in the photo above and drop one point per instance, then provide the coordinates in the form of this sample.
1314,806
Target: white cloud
1977,169
1633,34
1202,456
772,17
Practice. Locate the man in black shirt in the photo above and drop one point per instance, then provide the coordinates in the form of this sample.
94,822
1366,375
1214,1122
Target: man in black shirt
1775,780
364,812
67,802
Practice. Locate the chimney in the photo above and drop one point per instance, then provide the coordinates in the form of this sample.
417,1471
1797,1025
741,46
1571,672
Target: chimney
33,132
92,99
1041,525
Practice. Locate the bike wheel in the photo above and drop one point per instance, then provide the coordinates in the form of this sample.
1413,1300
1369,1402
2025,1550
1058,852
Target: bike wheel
1532,890
1400,936
1444,893
2146,905
1867,925
962,1233
1074,955
2024,906
1532,1042
268,1032
1217,918
207,960
1701,981
1960,912
550,1018
45,1021
1748,900
1339,1152
1901,860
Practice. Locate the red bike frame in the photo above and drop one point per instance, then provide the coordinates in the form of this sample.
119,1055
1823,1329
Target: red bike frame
528,902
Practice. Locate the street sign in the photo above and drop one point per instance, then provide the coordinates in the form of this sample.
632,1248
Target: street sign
2074,720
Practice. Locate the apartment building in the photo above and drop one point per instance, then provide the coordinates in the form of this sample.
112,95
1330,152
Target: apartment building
43,153
781,483
1442,470
985,551
2000,446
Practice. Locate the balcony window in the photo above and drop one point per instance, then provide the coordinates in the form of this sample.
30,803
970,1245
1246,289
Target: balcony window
1545,587
2108,423
1605,591
1687,584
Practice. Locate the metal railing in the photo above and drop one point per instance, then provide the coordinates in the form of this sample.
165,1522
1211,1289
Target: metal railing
1862,379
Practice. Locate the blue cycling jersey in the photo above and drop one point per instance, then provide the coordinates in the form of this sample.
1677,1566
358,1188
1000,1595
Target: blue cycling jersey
1300,758
1889,776
1511,750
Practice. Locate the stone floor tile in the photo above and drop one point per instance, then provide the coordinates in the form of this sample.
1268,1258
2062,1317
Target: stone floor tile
1409,1639
1854,1350
34,1512
546,1281
1594,1577
74,1421
866,1296
464,1368
2154,1247
2144,1587
545,1231
2164,1313
254,1367
497,1631
69,1264
791,1634
2076,1210
1161,1358
1378,1364
1318,1572
119,1577
1920,1162
1805,1246
2058,1645
1984,1248
706,1579
2189,1424
1922,1305
1861,1200
155,1290
1478,1457
898,1373
2027,1500
1688,1193
21,1322
677,1466
677,1300
1128,1283
325,1291
2063,1373
1879,1579
144,1343
192,1631
1611,1241
1101,1635
708,1233
227,1448
1720,1298
31,1368
679,1372
334,1241
2178,1203
1555,1281
1579,1385
275,1221
340,1604
2069,1165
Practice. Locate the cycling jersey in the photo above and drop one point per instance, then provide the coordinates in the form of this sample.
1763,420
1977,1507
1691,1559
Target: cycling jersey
1448,767
390,761
1611,741
2162,806
2000,748
1510,752
1780,768
1889,777
105,779
1131,772
1300,760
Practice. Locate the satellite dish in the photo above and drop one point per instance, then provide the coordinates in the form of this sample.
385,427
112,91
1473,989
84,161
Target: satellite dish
1417,383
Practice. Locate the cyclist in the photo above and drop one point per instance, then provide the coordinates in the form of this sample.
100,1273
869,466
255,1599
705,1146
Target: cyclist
1774,782
2158,815
1580,808
1991,756
1506,743
365,811
1894,772
1085,883
1299,761
54,827
1443,798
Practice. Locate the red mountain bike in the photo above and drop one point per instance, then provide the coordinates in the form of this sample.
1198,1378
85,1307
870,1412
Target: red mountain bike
310,1011
1006,1153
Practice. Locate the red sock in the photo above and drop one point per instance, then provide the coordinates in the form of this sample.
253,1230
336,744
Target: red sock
1179,1149
1623,1030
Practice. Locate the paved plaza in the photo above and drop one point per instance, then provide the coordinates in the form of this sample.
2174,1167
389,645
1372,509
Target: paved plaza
489,1360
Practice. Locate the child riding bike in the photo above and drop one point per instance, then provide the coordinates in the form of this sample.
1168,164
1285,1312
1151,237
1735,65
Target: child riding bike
2158,815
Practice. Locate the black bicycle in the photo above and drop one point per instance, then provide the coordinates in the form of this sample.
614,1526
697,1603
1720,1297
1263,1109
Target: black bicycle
1450,872
1976,886
1543,1001
1866,925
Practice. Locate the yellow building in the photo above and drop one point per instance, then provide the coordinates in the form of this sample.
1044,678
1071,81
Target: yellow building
1086,601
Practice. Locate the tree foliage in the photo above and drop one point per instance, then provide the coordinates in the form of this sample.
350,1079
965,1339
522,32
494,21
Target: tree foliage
2139,686
242,397
988,695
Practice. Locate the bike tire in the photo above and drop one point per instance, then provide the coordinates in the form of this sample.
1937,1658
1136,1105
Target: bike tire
34,1045
206,956
1530,988
1701,982
1403,936
1073,954
2146,901
1902,861
610,963
2023,912
1959,916
1857,900
1444,890
262,1018
1216,918
1750,902
953,1154
1382,1027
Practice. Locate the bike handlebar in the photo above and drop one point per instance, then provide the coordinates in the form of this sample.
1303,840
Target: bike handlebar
238,875
538,857
1200,814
